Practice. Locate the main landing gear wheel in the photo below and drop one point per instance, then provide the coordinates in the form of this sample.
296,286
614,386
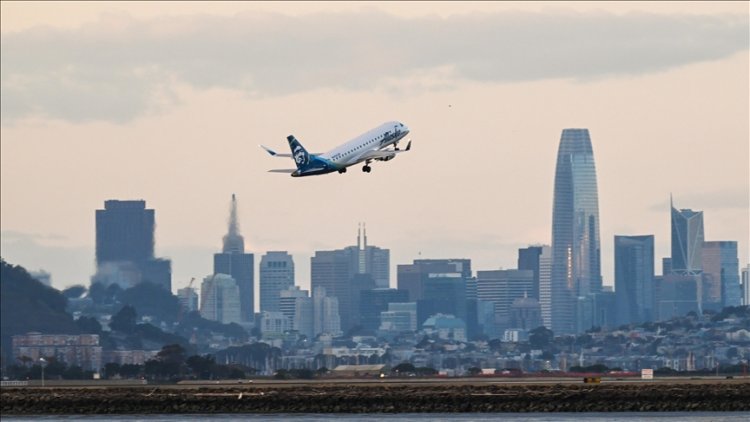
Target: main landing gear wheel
366,169
343,170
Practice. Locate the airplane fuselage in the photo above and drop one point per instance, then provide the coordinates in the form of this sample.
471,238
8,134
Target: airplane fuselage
357,150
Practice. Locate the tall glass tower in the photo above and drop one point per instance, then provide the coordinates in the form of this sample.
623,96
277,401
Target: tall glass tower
576,264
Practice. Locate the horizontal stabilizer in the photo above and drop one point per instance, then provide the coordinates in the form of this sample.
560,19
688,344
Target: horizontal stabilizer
287,171
274,153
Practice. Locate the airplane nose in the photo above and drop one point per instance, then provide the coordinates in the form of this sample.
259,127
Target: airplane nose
405,129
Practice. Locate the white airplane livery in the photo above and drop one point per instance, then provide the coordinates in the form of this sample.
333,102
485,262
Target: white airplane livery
370,146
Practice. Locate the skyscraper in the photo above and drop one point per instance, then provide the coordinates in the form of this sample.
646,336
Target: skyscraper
746,286
412,277
687,241
125,246
721,275
634,278
346,272
276,274
124,232
576,264
529,259
240,265
220,299
501,288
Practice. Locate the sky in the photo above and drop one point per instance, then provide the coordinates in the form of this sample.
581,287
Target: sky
168,102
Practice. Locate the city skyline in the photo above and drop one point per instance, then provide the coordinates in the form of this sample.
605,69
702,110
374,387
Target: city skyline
478,184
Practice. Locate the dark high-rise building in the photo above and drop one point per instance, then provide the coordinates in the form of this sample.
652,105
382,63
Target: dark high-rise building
443,294
124,232
576,265
411,277
676,295
634,278
530,259
375,301
276,275
687,241
235,262
125,246
344,273
721,275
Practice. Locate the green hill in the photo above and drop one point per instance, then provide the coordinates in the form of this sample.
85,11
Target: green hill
28,305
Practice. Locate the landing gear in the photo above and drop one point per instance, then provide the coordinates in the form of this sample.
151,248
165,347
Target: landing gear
343,170
395,146
366,169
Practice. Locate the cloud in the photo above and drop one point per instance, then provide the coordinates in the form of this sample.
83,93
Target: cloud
119,68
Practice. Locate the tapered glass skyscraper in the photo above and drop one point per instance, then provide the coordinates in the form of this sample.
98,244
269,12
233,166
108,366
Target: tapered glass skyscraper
576,268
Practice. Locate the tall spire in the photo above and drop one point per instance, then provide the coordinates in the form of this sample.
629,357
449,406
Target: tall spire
233,241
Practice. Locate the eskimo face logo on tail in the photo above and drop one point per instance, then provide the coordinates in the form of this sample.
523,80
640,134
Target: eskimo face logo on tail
299,156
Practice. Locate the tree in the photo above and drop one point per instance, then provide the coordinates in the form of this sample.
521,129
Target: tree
89,325
541,337
152,300
404,368
474,371
124,320
111,369
74,292
201,366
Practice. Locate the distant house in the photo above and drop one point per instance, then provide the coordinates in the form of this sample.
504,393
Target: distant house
351,371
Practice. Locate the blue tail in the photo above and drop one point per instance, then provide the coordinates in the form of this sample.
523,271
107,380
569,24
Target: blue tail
299,153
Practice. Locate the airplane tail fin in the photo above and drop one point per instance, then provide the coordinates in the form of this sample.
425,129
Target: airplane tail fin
299,153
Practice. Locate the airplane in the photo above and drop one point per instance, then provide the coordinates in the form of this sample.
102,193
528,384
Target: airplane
370,146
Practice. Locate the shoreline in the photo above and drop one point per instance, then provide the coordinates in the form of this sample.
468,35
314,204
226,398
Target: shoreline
326,398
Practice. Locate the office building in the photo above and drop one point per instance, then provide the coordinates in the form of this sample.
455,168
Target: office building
443,293
399,318
576,264
188,299
501,288
375,301
220,299
125,246
239,265
345,273
525,313
276,274
81,349
412,277
634,279
687,241
676,295
287,303
326,317
746,286
721,275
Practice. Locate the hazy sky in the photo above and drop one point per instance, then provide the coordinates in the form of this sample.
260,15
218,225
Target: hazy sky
167,102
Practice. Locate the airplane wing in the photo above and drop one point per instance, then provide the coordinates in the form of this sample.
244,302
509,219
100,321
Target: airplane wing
384,154
288,171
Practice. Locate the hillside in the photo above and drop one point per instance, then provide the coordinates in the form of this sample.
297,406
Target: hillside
28,305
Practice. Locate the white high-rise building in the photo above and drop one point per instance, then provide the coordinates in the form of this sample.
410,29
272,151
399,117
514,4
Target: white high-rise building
188,299
220,299
326,319
545,285
276,275
746,286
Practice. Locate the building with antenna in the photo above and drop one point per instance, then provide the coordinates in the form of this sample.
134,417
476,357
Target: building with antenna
233,261
345,273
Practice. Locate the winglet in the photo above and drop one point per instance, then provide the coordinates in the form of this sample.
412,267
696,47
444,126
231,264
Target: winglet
268,150
408,146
